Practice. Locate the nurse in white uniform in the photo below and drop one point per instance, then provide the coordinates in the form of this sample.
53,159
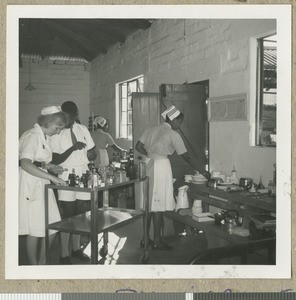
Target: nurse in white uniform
157,142
33,146
103,140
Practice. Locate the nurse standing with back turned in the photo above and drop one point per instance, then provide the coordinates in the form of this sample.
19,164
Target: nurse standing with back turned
157,142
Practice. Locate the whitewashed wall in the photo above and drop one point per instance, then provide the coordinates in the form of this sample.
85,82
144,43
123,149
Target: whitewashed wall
217,50
55,81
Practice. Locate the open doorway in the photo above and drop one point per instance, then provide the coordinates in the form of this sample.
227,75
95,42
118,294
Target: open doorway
191,99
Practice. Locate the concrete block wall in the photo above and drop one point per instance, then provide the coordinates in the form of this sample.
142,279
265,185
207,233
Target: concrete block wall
191,50
55,81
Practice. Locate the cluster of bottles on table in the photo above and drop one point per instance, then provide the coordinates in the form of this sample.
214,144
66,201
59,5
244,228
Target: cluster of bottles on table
122,168
249,184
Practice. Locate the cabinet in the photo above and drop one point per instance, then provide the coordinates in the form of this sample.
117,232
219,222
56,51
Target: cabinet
99,220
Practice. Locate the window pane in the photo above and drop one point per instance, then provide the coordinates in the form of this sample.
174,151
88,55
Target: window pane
123,131
129,101
124,90
130,132
123,118
132,87
130,117
269,65
123,104
267,97
140,84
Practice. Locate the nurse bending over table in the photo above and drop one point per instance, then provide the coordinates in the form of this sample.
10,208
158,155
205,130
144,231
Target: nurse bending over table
33,146
156,143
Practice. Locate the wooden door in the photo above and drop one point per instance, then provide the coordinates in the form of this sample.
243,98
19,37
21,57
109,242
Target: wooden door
146,112
191,100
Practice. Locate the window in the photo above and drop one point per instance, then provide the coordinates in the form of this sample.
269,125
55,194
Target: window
125,90
266,97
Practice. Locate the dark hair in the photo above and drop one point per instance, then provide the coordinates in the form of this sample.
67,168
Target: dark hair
70,107
98,126
179,117
58,118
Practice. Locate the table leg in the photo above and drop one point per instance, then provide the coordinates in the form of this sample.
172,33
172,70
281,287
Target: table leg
145,255
106,198
94,228
46,227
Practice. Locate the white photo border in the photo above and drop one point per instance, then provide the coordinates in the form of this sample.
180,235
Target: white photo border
282,269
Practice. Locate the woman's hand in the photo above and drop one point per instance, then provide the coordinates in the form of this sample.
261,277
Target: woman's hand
57,181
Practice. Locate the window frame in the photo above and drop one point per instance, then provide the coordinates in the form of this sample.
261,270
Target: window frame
256,92
119,109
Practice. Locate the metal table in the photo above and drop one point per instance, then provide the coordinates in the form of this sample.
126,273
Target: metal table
244,202
99,220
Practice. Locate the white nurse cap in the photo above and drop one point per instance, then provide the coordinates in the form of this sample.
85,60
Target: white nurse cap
100,120
171,112
50,110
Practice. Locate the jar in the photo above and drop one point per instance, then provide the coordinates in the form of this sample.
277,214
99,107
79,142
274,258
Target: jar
117,176
84,180
71,179
109,180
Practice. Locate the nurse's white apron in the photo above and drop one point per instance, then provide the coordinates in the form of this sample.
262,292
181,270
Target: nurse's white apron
103,158
31,205
31,195
161,191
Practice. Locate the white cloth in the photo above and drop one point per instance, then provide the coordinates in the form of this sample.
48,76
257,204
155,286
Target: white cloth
161,187
100,120
50,110
77,160
102,158
159,142
171,112
33,145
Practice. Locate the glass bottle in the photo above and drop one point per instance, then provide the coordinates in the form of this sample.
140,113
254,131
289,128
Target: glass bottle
91,165
95,178
122,171
234,178
130,168
72,177
84,180
260,184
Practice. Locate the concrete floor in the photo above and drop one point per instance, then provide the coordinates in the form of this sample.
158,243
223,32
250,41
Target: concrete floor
124,248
